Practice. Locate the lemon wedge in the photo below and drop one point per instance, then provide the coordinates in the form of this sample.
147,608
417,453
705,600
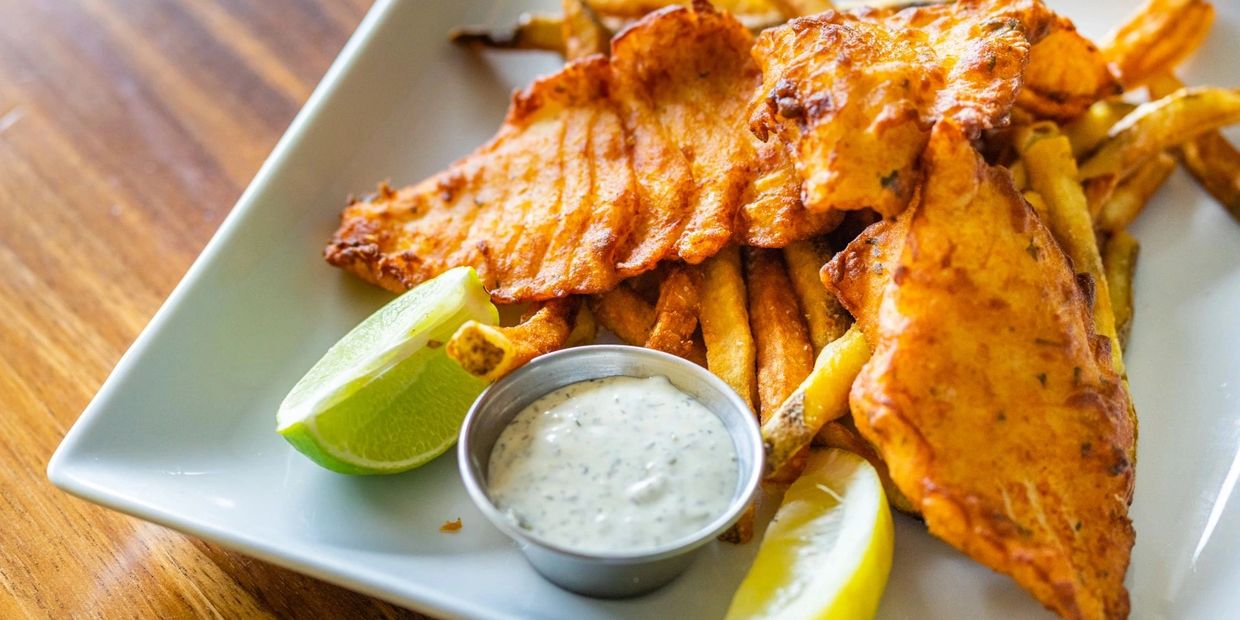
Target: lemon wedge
827,553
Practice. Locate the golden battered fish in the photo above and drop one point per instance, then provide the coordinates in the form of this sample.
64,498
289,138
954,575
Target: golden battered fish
989,395
540,210
1066,74
598,173
853,94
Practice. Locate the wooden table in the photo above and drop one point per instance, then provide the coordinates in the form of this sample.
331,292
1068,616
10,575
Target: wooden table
128,128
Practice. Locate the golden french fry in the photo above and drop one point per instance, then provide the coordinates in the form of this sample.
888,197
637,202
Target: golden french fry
1088,130
1025,135
821,398
1215,163
785,355
585,328
533,31
843,434
800,8
1039,205
1158,125
624,313
1019,177
1119,259
582,32
675,315
1210,158
1160,35
638,8
724,317
1131,196
490,352
826,318
1052,174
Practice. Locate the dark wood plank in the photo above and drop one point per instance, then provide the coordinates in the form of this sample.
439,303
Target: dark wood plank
128,128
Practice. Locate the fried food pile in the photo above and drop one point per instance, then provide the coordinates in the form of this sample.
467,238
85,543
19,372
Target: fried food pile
897,231
600,172
990,394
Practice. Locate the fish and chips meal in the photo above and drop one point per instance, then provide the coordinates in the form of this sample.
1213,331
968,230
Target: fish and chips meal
895,230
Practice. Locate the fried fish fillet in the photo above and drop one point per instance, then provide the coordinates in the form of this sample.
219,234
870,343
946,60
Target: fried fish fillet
1066,74
989,394
859,274
854,94
540,210
599,172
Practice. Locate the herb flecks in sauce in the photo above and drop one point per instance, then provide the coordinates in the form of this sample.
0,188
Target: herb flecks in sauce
614,464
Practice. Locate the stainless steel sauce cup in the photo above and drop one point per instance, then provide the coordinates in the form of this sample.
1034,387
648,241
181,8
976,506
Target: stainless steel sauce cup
615,574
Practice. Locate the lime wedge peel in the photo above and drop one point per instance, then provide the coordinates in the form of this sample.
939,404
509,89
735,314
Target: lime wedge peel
386,398
828,551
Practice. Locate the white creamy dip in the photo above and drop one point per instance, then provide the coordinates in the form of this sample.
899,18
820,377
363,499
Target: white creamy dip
613,464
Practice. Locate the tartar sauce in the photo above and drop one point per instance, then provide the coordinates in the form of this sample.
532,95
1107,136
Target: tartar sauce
613,464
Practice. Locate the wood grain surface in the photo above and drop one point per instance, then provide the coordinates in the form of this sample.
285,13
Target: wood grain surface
128,128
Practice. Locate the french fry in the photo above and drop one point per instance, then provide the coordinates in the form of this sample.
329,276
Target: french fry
785,355
490,352
730,353
533,31
1160,35
624,313
1052,174
1025,135
843,434
1039,205
1131,196
784,352
821,398
724,317
1019,177
826,318
1088,130
1210,158
1157,126
1215,163
800,8
675,315
576,33
582,32
638,8
1119,260
585,328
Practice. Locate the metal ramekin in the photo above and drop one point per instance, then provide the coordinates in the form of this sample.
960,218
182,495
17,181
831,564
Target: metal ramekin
606,574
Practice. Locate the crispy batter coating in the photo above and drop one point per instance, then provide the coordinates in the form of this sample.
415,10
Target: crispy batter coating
676,314
858,274
599,172
854,93
992,399
1066,74
535,229
680,78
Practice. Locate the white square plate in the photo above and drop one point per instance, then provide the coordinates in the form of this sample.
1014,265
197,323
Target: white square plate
182,432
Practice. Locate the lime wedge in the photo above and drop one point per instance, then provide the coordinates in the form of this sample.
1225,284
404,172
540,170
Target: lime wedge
386,398
828,551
